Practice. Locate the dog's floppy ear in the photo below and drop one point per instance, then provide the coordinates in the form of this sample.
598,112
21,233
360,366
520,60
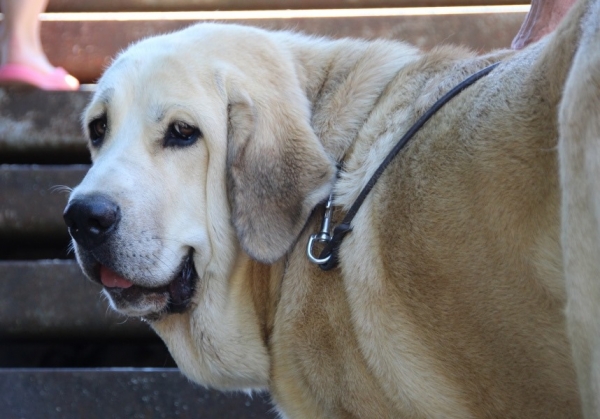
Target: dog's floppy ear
278,170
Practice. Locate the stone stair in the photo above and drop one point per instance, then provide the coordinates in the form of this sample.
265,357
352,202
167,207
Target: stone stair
63,353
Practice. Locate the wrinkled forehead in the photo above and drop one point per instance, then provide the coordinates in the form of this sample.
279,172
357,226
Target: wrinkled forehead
189,67
155,80
179,62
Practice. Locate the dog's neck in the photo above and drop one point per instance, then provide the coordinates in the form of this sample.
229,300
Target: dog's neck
343,83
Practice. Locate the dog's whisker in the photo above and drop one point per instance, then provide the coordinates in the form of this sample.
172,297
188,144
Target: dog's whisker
70,248
166,239
61,189
123,321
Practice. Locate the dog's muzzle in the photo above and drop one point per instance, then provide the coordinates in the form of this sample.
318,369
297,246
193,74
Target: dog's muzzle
93,222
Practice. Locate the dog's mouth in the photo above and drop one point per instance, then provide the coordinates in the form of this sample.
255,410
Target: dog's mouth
150,303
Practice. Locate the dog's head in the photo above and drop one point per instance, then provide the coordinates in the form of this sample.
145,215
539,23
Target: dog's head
202,149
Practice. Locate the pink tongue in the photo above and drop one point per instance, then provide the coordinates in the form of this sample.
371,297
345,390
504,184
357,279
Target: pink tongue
110,279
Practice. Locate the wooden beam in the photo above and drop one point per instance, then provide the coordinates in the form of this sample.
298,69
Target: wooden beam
85,48
186,5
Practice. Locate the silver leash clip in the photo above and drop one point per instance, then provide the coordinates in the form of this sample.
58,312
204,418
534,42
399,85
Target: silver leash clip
323,236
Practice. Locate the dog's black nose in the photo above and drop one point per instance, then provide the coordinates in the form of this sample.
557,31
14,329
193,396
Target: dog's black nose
91,219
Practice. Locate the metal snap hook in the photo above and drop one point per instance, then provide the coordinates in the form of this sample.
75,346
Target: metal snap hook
323,236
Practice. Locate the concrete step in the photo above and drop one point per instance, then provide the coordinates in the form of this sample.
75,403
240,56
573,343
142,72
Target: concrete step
187,5
85,44
41,127
119,394
85,352
32,199
52,299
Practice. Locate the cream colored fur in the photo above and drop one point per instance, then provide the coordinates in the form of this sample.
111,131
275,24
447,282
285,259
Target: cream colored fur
579,152
450,295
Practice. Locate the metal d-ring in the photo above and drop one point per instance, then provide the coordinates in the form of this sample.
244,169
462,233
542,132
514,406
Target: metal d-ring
323,236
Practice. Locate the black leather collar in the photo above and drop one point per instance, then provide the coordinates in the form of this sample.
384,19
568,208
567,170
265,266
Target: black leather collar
328,258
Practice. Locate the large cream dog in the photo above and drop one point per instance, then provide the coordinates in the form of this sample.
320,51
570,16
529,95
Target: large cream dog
214,147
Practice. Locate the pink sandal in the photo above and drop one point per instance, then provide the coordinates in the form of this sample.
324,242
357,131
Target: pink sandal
19,74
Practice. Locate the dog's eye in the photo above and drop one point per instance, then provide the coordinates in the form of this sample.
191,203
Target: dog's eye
180,134
97,130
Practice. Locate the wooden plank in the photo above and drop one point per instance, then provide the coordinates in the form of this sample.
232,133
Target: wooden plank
84,48
180,5
120,394
52,299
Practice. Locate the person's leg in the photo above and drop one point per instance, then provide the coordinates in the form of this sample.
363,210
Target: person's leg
22,58
20,39
542,19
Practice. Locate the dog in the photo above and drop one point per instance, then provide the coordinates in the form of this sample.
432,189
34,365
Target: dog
215,148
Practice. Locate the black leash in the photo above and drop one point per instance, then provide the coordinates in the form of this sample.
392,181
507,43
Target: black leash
328,259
